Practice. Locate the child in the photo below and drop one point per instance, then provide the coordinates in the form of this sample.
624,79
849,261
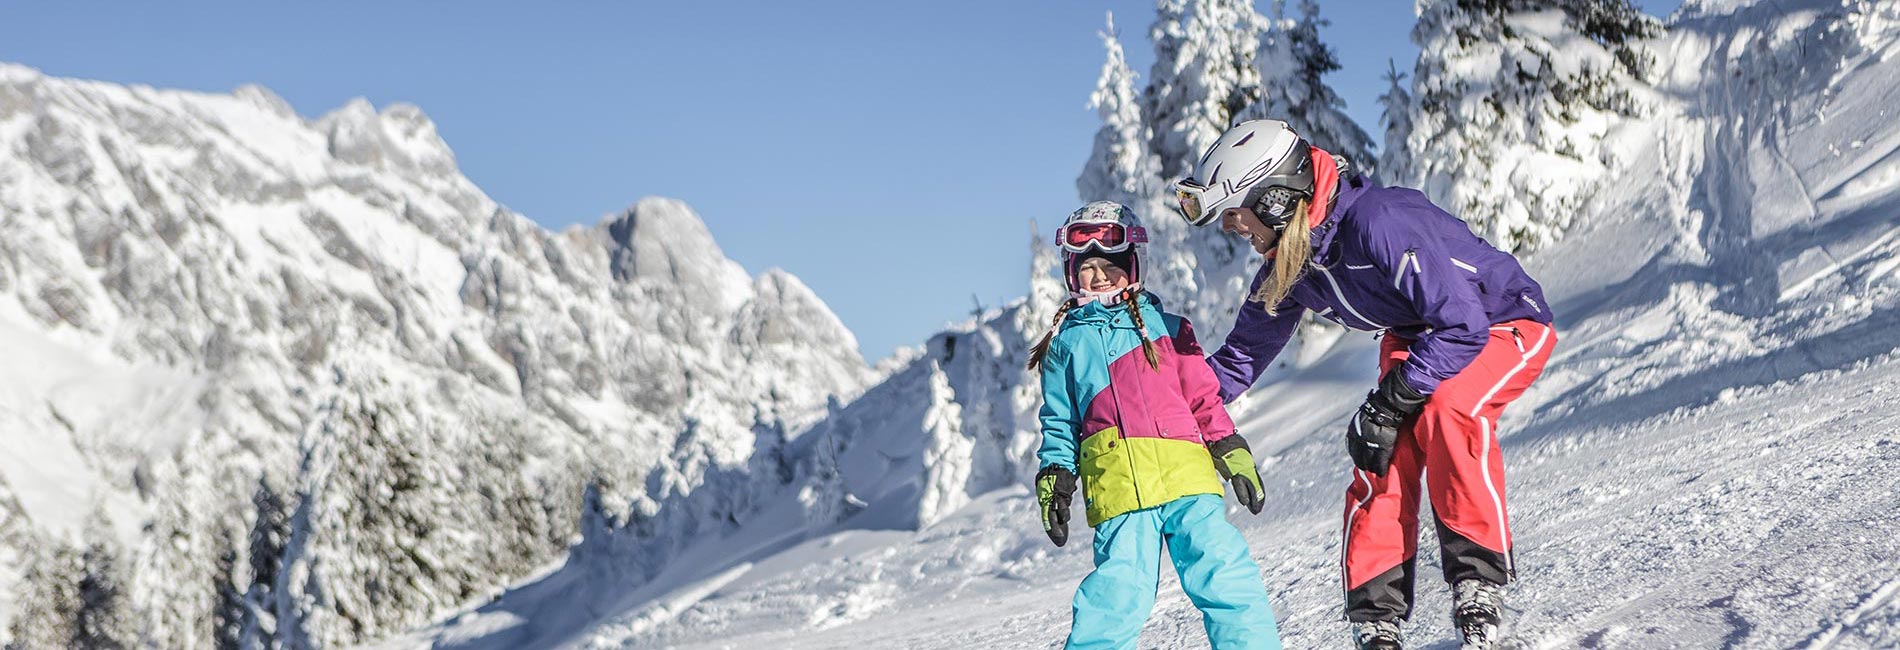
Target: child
1129,400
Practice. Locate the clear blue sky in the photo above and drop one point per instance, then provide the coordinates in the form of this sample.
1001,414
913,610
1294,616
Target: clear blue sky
858,145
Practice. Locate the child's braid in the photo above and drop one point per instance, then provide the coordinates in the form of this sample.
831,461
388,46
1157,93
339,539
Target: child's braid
1042,347
1131,298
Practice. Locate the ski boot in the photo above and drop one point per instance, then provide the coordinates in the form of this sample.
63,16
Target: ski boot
1477,610
1376,635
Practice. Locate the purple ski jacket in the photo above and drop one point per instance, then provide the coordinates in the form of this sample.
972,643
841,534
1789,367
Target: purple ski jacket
1387,259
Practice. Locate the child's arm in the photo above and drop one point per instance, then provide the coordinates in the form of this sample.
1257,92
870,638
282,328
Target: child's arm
1203,392
1056,480
1200,386
1058,417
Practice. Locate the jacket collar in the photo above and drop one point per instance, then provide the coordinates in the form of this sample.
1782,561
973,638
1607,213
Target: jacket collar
1348,192
1111,315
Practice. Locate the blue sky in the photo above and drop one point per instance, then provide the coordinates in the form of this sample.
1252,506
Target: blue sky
859,145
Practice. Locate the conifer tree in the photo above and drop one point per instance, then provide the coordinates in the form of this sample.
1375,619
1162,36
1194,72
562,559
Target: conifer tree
1204,76
1396,116
1293,64
1514,98
46,602
104,618
1120,168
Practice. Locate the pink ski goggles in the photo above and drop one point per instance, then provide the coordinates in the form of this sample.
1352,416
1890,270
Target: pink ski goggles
1107,237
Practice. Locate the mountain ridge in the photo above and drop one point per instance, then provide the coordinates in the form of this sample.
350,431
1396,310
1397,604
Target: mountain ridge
267,261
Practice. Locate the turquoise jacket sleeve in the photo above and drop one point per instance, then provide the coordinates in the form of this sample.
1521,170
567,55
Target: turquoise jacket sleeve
1060,421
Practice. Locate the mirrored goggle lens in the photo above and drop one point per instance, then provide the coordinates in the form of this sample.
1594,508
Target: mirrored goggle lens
1105,235
1189,201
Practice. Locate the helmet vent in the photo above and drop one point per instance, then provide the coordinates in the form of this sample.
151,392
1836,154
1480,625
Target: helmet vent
1244,140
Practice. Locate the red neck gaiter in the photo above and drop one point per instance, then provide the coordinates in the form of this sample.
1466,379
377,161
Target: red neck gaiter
1325,181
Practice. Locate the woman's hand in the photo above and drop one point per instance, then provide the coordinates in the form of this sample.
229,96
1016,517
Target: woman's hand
1374,430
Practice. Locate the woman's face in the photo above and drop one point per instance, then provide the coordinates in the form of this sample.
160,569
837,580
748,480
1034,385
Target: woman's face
1243,222
1098,275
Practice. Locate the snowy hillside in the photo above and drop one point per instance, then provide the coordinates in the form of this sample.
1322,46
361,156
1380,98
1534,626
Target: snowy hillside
1709,461
273,377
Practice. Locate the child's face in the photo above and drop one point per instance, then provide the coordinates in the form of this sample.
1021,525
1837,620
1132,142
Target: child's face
1098,275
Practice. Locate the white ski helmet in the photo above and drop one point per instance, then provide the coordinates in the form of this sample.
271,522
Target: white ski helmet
1101,229
1258,164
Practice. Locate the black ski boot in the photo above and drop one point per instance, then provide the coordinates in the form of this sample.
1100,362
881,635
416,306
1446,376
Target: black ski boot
1376,635
1477,610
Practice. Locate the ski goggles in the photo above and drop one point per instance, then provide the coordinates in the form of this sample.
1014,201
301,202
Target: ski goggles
1272,205
1187,196
1107,237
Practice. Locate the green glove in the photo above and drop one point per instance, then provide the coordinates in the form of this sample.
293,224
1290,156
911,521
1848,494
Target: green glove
1055,486
1235,462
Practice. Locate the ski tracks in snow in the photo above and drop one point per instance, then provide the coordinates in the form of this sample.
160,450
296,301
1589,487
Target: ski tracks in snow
1880,603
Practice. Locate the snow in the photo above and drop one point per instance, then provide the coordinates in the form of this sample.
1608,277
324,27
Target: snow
62,404
1707,462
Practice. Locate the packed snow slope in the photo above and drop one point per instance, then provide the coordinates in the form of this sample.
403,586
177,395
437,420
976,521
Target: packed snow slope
300,377
1709,461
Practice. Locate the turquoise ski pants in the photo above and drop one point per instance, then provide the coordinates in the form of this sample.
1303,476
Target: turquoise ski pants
1209,555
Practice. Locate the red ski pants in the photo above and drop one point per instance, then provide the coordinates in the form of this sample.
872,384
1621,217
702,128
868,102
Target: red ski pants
1453,444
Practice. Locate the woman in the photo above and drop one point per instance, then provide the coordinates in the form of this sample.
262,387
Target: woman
1466,332
1129,405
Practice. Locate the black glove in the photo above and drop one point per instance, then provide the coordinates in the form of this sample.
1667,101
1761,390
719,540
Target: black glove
1055,486
1235,462
1374,430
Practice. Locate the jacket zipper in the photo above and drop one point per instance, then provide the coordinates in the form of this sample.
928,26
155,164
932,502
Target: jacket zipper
1121,423
1410,259
1341,294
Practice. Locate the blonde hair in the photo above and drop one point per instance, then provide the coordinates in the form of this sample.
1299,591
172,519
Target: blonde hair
1289,261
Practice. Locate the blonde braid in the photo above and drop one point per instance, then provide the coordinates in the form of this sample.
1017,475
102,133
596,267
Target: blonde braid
1129,297
1042,347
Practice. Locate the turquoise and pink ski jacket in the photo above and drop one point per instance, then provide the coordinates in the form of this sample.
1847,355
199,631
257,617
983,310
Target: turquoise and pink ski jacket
1136,435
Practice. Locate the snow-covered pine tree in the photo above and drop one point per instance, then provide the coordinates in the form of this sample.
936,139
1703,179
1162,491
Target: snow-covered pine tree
380,536
1874,21
173,570
1396,116
1168,35
1514,99
1203,76
229,611
104,620
46,603
1120,168
1293,64
251,622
